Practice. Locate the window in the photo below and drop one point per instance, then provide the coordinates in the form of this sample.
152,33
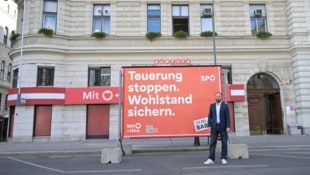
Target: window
153,18
50,14
9,72
99,76
12,42
15,78
6,102
6,34
206,18
226,75
2,70
258,19
45,76
180,18
101,21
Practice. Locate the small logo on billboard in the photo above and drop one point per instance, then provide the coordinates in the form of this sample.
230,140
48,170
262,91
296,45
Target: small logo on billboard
150,129
134,128
201,124
206,78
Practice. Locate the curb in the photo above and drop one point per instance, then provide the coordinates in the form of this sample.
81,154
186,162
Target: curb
279,147
137,150
165,150
51,153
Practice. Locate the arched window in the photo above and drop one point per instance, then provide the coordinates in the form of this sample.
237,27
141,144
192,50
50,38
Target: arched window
15,78
9,72
6,34
262,80
6,102
2,69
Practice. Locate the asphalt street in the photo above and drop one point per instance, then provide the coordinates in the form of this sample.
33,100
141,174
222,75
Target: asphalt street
284,161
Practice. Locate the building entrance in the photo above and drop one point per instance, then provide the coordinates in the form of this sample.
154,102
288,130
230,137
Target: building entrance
3,128
264,105
98,121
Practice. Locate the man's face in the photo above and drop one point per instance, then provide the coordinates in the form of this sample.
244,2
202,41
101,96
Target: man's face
218,97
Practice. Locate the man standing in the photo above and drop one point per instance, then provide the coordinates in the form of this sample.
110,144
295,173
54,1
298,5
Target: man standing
219,121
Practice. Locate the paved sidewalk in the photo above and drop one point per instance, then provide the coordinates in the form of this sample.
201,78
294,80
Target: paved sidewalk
94,146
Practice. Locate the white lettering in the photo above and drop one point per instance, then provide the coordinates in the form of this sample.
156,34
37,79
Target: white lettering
178,77
208,77
158,100
152,88
91,95
146,111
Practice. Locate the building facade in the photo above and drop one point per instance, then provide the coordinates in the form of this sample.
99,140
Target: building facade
8,13
272,70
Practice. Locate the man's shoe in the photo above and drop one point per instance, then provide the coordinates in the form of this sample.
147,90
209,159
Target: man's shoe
224,161
208,162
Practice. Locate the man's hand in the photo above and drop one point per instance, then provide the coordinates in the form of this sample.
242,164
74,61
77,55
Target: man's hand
227,129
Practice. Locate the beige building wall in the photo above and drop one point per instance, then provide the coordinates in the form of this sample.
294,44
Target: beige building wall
8,13
299,30
8,19
72,50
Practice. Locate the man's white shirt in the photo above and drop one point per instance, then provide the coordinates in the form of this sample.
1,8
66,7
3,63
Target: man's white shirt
218,107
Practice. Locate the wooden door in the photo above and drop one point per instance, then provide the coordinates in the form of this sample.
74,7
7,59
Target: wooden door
232,116
42,122
11,121
276,114
98,121
256,114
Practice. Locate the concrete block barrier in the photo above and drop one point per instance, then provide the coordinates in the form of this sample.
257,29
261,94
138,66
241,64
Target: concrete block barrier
234,151
127,149
111,155
237,151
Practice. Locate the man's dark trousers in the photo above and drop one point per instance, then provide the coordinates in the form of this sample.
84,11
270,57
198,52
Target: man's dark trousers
214,135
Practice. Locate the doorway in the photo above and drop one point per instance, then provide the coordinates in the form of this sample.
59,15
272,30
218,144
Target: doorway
3,128
42,121
97,121
11,121
264,105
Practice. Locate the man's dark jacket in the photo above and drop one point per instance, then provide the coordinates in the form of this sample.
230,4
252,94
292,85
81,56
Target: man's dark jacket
224,116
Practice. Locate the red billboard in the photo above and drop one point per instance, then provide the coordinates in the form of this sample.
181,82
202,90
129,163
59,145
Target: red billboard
168,101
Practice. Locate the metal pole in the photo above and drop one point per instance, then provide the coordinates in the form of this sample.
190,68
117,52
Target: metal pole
120,111
225,85
196,139
213,35
20,72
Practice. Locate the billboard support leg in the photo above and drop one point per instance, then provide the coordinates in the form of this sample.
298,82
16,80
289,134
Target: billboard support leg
196,141
120,112
121,145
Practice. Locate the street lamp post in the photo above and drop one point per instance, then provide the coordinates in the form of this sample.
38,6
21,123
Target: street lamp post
213,34
21,101
196,139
